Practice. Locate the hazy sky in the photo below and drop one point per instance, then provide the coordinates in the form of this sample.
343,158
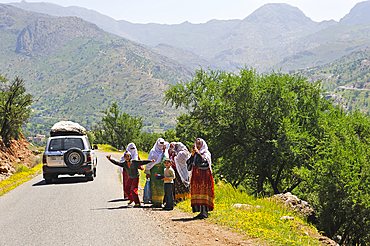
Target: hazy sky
200,11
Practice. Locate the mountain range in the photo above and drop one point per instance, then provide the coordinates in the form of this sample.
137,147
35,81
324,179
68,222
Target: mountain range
77,61
75,70
272,37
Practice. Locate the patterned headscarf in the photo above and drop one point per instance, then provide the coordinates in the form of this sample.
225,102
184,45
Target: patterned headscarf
204,152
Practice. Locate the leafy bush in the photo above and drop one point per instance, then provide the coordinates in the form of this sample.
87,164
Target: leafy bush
14,108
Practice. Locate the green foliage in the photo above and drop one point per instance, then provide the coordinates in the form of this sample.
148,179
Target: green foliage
117,129
280,129
146,141
14,108
259,125
338,182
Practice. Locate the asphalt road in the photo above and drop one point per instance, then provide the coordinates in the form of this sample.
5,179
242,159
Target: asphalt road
72,211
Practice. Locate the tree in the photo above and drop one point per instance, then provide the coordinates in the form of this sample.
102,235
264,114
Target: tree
117,129
258,127
14,108
146,141
337,184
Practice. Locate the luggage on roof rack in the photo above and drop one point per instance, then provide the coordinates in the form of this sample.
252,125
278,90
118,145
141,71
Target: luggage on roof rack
67,128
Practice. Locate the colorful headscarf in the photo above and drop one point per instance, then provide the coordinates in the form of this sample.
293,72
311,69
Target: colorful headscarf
204,152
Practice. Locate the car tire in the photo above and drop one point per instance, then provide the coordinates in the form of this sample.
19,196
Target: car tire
48,181
74,158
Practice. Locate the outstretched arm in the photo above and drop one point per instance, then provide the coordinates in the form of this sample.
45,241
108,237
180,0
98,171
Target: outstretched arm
118,163
138,163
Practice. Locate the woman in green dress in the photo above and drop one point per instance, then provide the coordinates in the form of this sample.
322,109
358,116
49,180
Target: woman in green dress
158,153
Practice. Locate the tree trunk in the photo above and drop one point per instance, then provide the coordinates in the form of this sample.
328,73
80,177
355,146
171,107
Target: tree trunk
260,181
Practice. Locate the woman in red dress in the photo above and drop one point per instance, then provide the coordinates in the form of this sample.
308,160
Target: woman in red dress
201,184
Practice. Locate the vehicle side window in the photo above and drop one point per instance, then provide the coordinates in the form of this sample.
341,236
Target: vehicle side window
55,144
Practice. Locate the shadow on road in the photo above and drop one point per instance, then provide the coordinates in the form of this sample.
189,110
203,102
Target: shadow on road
119,200
63,180
120,207
184,219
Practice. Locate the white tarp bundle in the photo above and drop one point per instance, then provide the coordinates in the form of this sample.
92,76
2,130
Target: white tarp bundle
67,126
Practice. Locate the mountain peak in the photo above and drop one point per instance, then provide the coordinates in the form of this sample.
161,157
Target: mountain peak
281,12
358,15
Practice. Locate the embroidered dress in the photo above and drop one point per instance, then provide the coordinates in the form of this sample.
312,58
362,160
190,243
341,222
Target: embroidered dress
202,184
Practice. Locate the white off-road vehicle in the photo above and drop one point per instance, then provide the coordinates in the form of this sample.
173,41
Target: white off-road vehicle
68,151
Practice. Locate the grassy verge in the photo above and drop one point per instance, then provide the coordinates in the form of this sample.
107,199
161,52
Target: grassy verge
23,174
107,148
262,219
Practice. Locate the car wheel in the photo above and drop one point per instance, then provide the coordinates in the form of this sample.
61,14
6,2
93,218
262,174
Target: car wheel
74,158
94,172
48,181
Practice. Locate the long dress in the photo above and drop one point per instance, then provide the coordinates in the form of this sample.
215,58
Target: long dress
157,167
131,147
131,168
181,187
202,184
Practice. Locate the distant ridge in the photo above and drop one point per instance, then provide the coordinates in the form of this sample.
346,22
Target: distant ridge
359,14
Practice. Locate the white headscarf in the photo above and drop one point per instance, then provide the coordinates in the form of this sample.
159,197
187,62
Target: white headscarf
204,152
156,153
131,148
182,155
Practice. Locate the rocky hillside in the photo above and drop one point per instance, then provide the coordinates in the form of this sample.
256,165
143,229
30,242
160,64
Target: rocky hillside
75,70
347,79
358,15
16,153
46,36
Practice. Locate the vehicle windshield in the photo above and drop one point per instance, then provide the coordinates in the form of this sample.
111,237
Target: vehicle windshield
65,144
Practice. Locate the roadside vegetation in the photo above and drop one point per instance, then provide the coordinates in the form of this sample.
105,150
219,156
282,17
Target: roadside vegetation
262,218
14,107
22,175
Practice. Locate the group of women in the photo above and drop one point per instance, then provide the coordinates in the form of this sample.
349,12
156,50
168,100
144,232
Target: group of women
192,170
